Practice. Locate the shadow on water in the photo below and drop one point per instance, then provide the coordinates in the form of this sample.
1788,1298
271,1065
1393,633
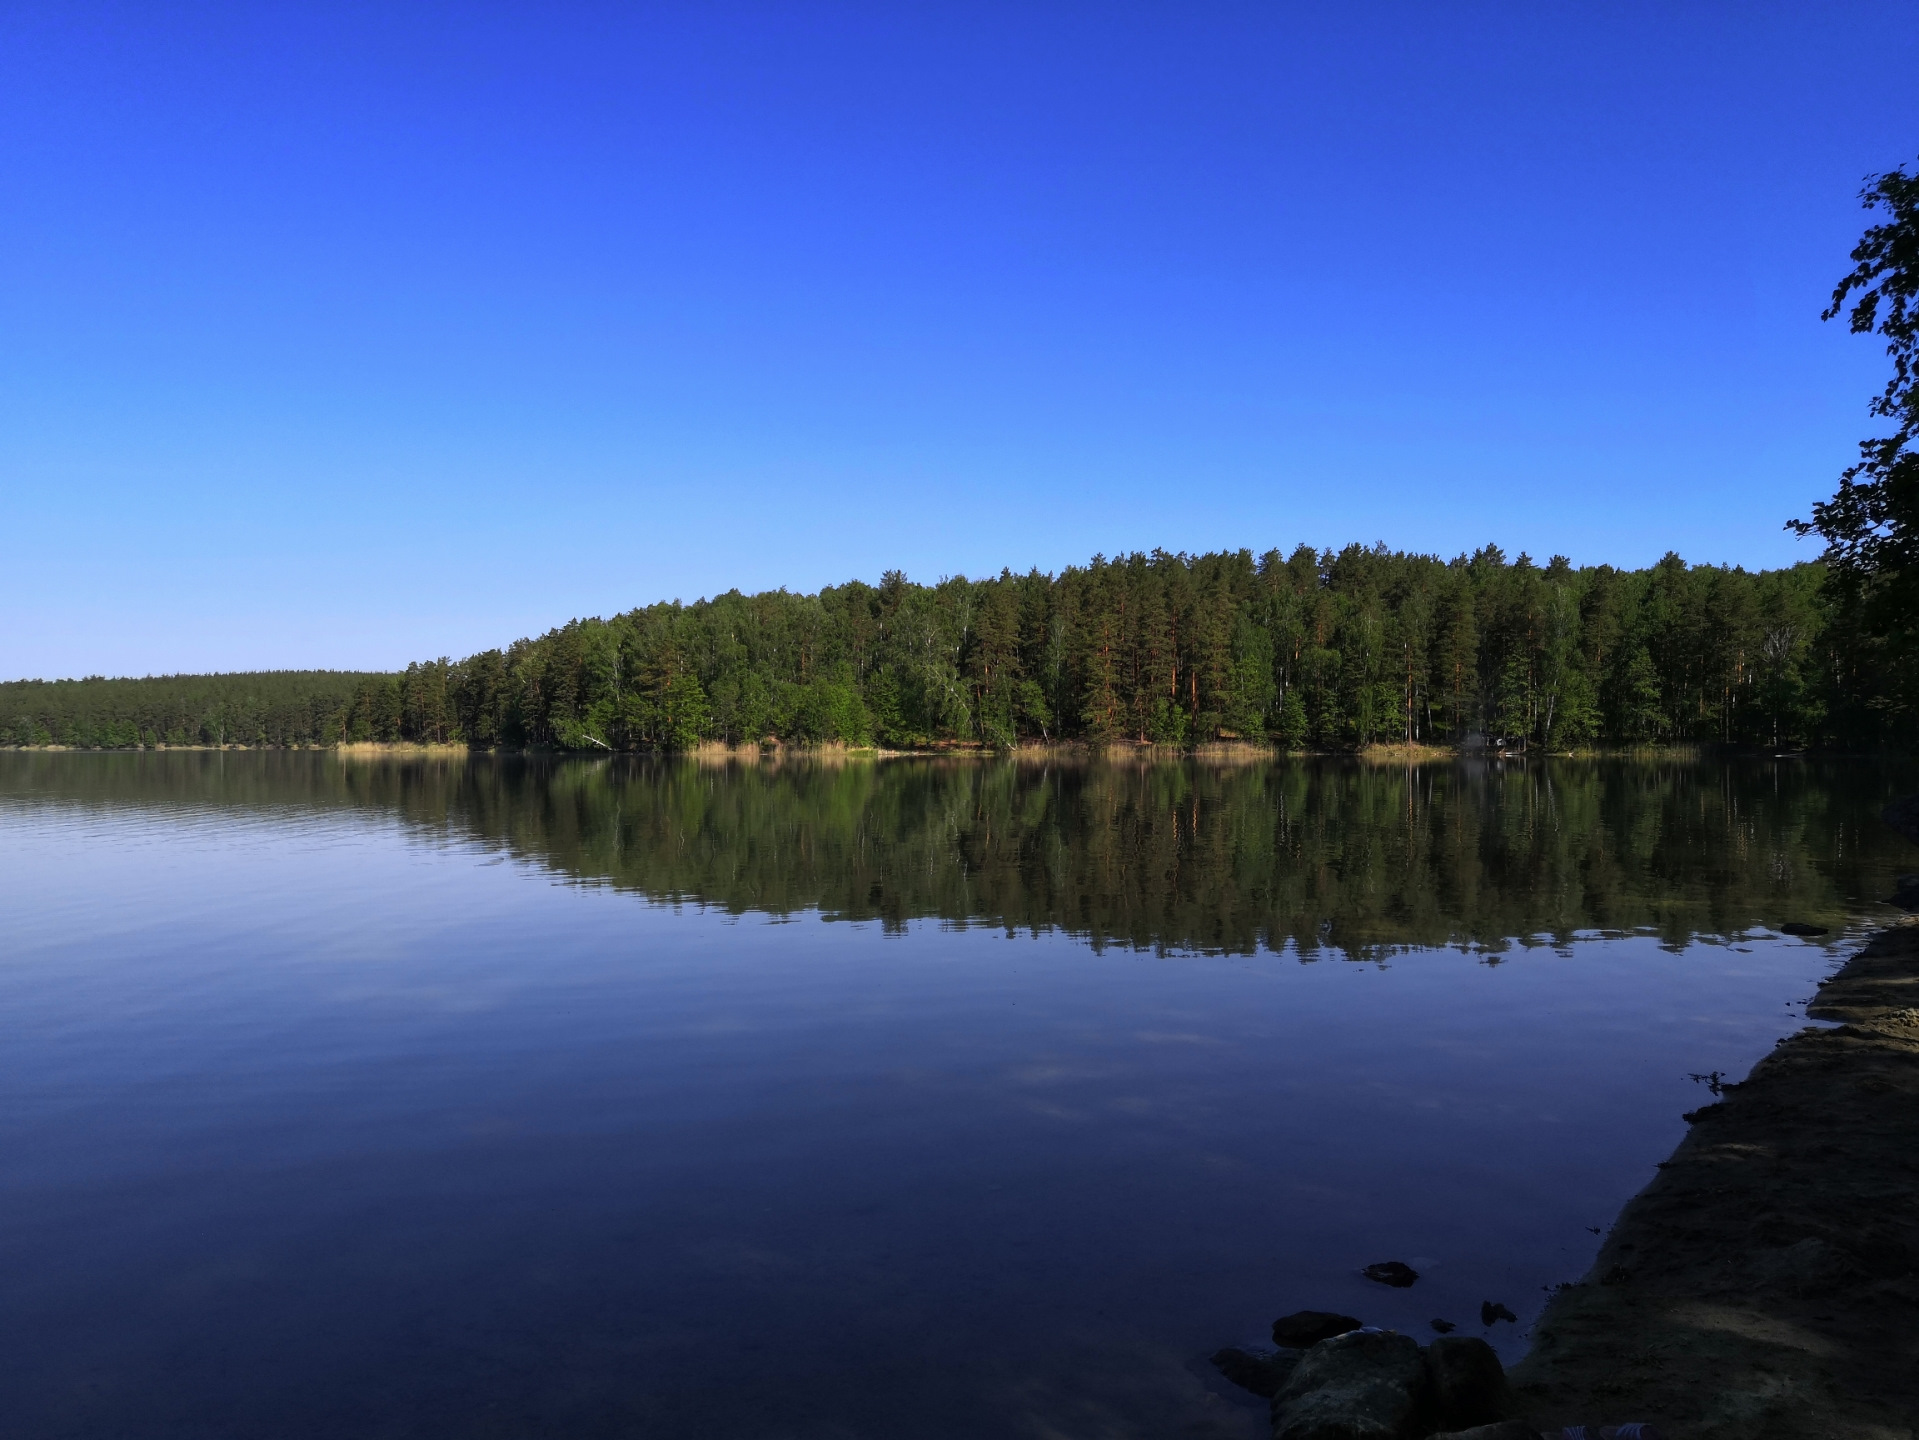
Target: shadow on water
1315,856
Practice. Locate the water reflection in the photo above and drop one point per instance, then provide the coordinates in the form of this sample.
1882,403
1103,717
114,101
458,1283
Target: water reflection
319,1121
1321,856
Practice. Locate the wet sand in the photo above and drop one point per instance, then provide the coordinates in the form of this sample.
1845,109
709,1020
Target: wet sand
1766,1284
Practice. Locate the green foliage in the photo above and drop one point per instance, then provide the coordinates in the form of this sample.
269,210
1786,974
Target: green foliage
1310,650
1293,728
1871,524
277,708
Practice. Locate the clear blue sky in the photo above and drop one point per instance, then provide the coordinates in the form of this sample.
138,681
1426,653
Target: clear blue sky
347,334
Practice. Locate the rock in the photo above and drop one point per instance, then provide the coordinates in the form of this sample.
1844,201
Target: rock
1799,927
1261,1374
1444,1327
1396,1273
1504,1430
1489,1312
1906,897
1363,1385
1304,1329
1466,1381
1243,1368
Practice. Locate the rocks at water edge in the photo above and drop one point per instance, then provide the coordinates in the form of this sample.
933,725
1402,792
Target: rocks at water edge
1261,1374
1379,1385
1799,927
1363,1385
1503,1430
1468,1382
1303,1329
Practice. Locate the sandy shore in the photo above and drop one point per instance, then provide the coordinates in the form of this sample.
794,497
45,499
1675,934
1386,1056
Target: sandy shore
1766,1284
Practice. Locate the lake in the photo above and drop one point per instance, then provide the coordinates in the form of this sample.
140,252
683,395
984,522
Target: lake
484,1097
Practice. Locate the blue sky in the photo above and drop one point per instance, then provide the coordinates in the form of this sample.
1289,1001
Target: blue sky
341,335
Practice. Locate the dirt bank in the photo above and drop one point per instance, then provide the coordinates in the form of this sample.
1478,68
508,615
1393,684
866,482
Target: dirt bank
1764,1285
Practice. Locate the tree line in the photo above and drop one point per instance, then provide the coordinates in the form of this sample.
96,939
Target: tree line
1316,650
276,708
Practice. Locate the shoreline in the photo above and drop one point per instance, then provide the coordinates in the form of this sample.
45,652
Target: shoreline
1766,1283
1229,751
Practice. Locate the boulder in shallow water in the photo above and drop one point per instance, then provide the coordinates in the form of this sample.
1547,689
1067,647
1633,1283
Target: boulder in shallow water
1799,927
1467,1382
1504,1430
1396,1273
1363,1385
1262,1374
1304,1329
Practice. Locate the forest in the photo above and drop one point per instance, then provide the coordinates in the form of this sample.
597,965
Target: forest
1315,651
280,708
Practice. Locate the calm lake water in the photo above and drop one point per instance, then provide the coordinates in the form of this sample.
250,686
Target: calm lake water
504,1098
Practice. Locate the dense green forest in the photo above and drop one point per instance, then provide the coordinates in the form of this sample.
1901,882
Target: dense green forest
1316,650
274,707
1319,856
